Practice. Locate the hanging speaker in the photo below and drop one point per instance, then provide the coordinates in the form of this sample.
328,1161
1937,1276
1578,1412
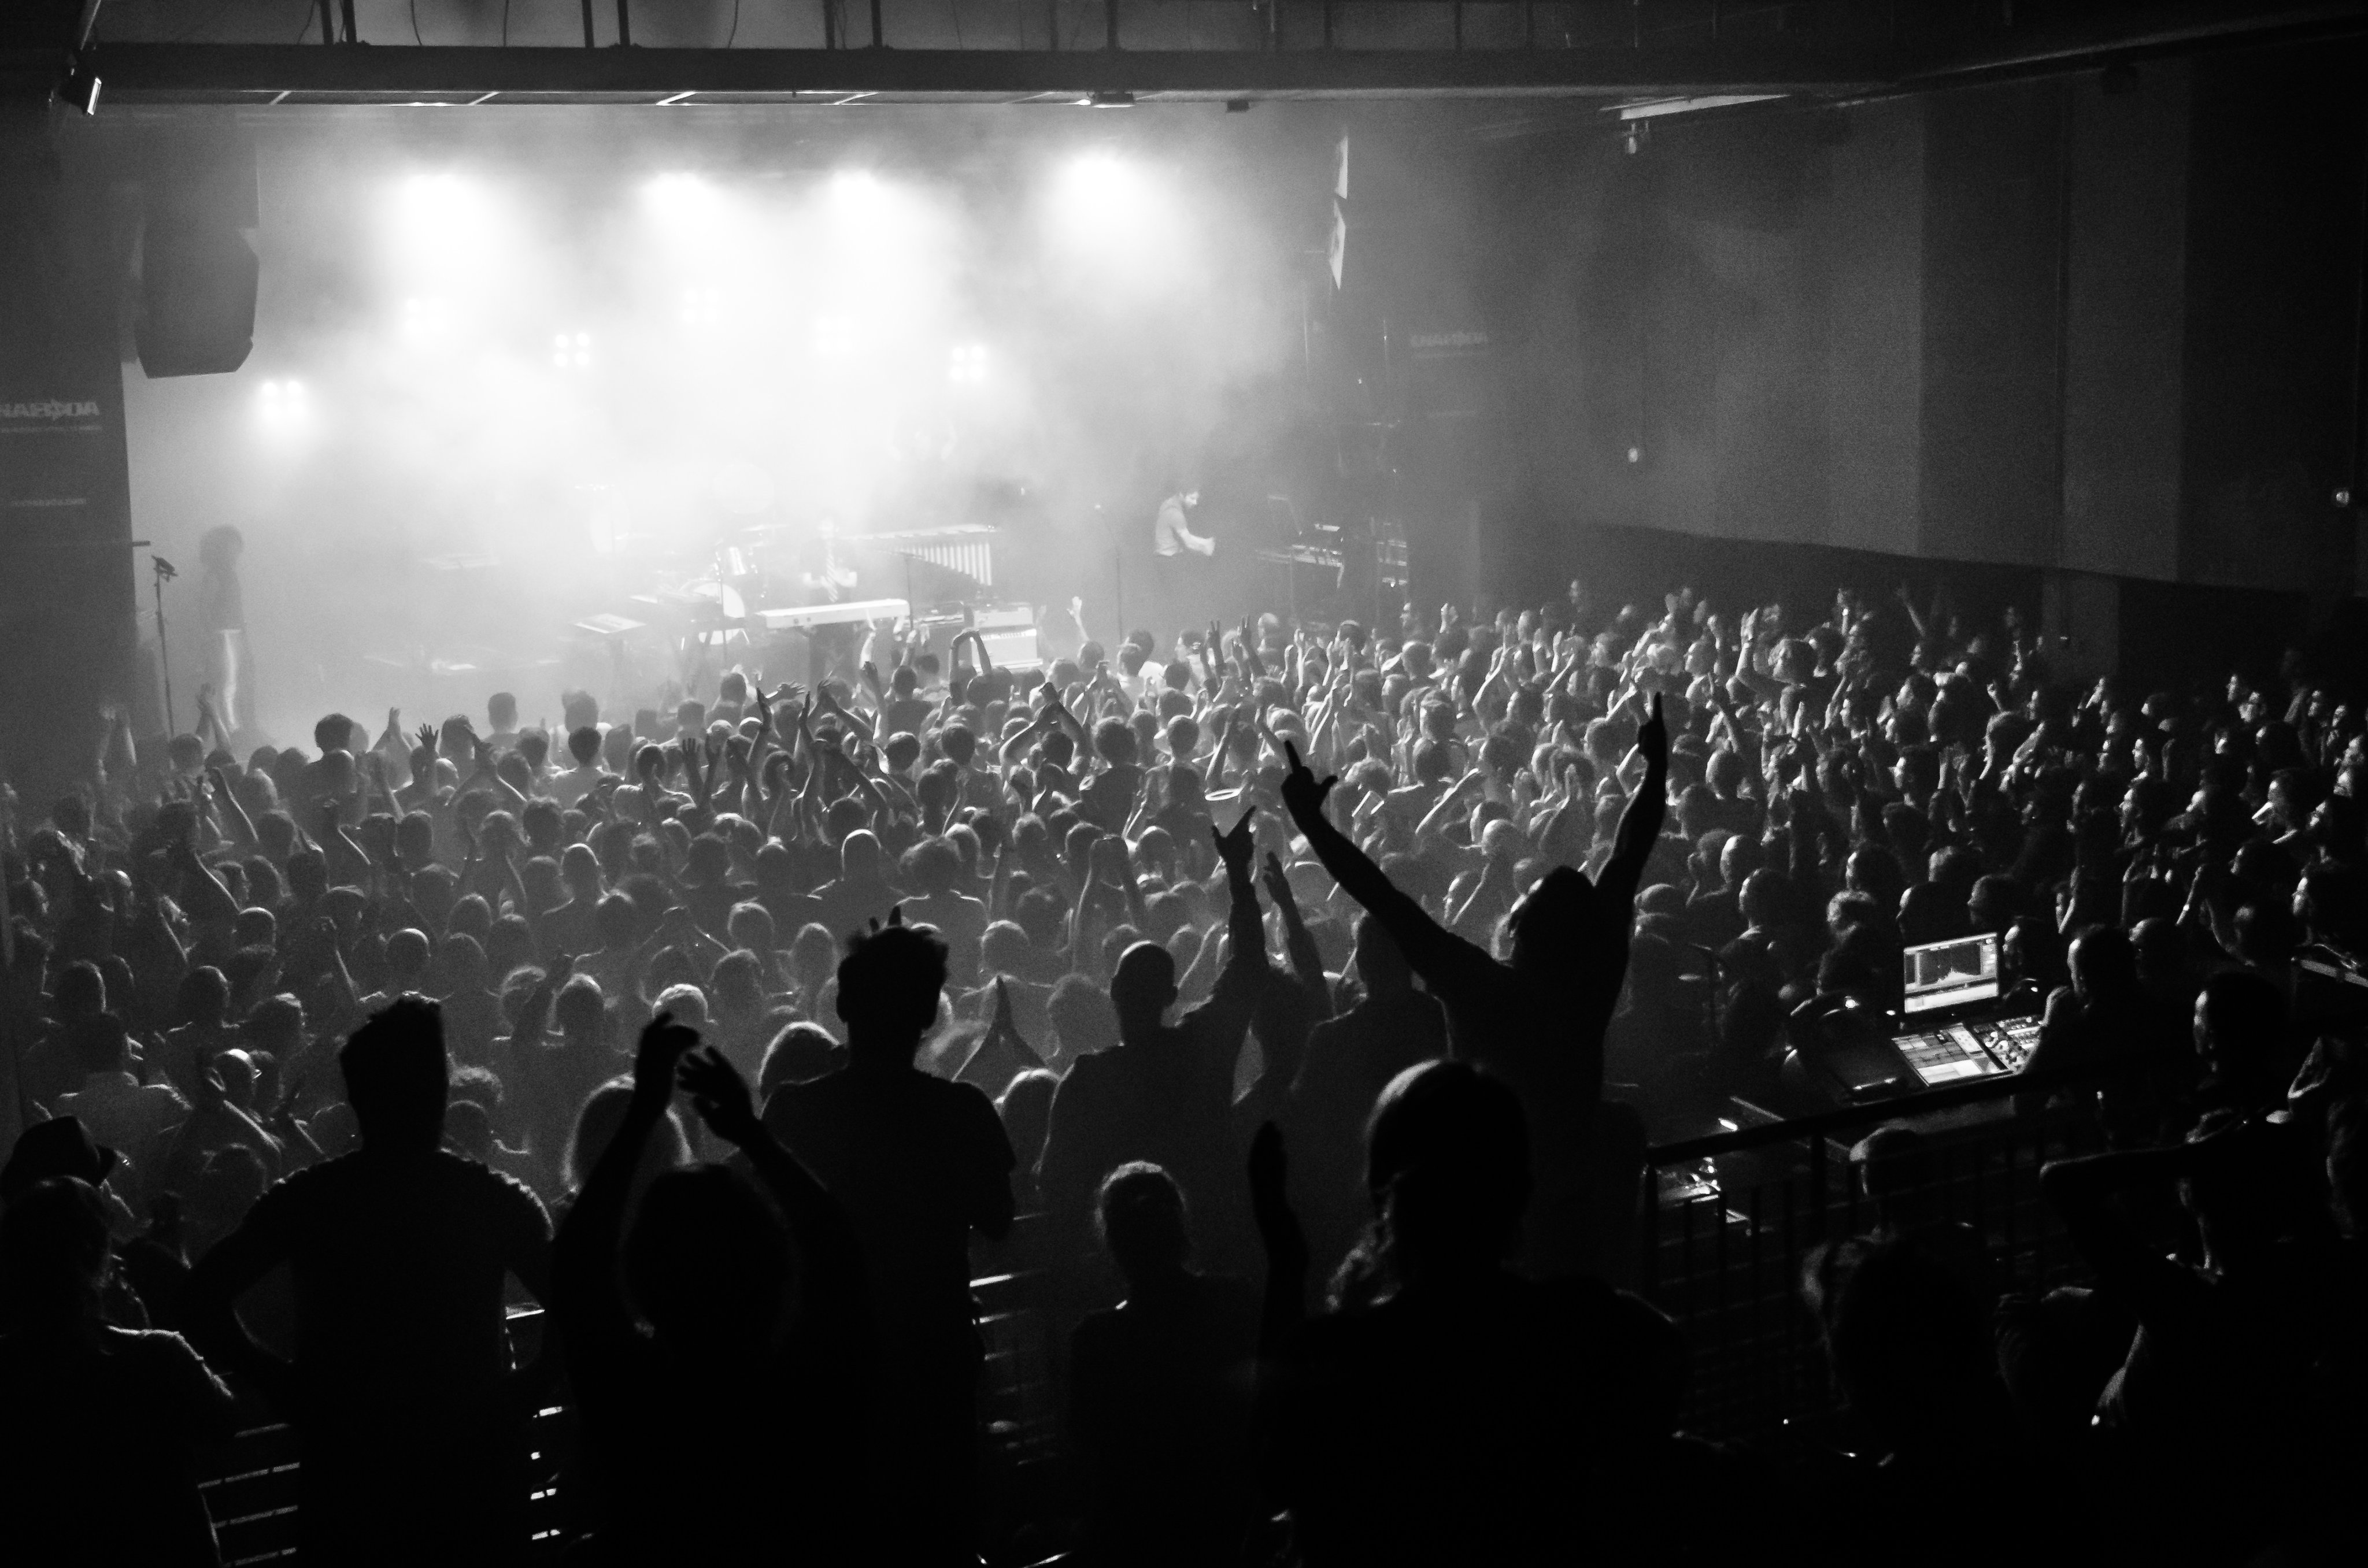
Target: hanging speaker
198,273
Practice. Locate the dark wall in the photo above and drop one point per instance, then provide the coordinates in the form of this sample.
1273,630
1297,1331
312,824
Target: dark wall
2038,324
1993,256
2275,148
2126,322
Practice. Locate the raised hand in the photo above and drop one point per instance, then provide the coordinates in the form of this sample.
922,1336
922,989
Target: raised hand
1235,848
664,1043
427,739
1652,736
719,1096
1278,884
1303,795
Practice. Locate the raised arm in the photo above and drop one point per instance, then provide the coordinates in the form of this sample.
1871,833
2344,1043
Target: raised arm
1306,962
1640,824
1226,1013
817,1224
586,1289
1435,953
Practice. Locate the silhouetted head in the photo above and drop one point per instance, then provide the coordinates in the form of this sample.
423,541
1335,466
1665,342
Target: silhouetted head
1381,962
2240,1023
1141,1217
1547,926
397,1074
888,988
859,856
1447,1162
596,1127
1894,1161
1909,1343
709,1266
1025,1107
1082,1018
54,1248
2105,965
1142,988
801,1053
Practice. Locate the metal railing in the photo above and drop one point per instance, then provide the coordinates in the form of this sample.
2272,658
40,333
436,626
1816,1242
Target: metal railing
1731,1219
249,1482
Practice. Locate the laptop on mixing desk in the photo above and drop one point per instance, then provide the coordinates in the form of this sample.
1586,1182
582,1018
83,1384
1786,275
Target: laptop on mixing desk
1952,990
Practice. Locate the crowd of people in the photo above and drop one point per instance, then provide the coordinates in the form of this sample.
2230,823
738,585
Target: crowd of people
1294,1001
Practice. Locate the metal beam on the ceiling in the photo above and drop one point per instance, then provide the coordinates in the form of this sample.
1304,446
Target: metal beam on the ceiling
296,73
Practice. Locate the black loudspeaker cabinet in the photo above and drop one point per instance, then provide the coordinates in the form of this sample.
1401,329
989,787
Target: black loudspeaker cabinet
198,273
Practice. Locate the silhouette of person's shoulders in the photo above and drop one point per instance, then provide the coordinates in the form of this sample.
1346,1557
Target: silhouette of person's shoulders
399,1259
915,1161
94,1452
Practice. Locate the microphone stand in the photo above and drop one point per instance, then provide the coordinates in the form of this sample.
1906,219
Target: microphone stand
164,573
1118,572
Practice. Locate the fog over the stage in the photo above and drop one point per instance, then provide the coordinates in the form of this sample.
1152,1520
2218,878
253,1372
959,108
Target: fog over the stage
510,371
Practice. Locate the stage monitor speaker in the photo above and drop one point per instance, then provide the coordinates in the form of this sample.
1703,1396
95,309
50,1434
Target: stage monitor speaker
198,274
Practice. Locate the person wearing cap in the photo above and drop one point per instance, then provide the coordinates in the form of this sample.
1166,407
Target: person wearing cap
61,1146
103,1422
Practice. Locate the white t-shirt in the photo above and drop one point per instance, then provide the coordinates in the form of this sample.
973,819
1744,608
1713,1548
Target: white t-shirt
1172,535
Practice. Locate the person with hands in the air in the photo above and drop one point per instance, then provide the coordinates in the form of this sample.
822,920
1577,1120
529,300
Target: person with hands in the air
1537,1018
1165,1094
729,1308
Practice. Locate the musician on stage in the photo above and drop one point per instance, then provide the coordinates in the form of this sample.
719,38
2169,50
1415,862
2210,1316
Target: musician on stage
1180,558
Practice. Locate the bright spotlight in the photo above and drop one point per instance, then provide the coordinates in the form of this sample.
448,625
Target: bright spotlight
1103,196
680,197
967,364
854,185
571,351
442,201
1121,213
701,307
833,335
281,403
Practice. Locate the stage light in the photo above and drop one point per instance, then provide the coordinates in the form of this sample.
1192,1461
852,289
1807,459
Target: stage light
681,198
442,201
833,335
1118,212
967,364
854,186
444,235
701,307
571,351
281,402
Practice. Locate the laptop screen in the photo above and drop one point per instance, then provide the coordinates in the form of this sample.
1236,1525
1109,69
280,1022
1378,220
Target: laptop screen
1951,975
